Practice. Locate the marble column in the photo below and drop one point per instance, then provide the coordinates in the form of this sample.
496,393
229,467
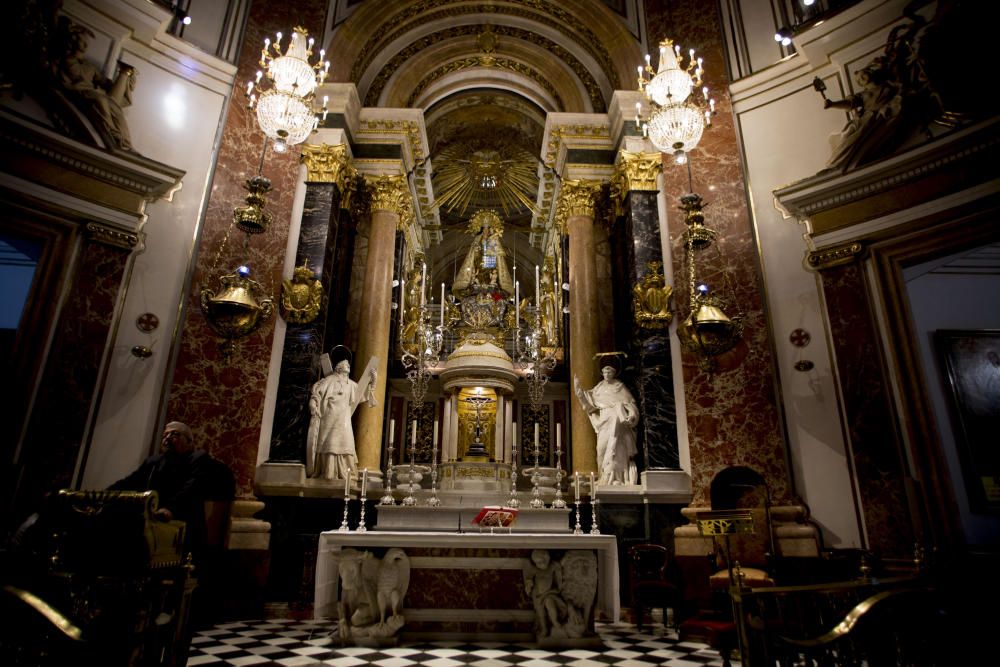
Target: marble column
390,209
322,241
576,203
645,327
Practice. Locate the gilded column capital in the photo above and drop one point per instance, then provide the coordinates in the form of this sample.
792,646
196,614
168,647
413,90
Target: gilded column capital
577,197
326,163
638,171
391,193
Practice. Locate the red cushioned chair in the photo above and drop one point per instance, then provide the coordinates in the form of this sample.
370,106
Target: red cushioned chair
649,584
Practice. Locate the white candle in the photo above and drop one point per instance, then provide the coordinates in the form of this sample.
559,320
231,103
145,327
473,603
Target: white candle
402,304
347,483
413,436
538,289
434,450
577,486
423,286
558,438
591,483
514,444
442,305
517,304
536,435
364,484
392,431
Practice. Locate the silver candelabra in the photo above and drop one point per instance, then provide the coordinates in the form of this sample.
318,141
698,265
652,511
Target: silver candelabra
410,500
558,503
387,498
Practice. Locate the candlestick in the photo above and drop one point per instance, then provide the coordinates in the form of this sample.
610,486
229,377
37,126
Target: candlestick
434,501
387,497
442,306
558,503
423,286
513,501
594,502
362,498
344,527
410,500
578,529
536,494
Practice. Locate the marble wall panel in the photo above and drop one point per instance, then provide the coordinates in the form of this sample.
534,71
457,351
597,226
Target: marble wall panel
874,440
222,398
51,445
733,416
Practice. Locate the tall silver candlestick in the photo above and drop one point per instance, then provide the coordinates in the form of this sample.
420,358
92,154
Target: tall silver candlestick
362,497
344,527
594,502
558,503
434,501
536,494
513,501
387,498
578,530
410,500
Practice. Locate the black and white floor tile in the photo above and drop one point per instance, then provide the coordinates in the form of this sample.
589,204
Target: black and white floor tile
291,643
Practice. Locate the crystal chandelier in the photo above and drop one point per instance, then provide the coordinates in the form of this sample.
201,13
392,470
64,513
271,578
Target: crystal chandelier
677,117
284,89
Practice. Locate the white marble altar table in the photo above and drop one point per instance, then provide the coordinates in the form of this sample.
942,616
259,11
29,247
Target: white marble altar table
449,559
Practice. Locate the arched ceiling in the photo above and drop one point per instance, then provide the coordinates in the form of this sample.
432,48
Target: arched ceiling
485,73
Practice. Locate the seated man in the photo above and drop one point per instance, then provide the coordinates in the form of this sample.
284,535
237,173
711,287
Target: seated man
184,477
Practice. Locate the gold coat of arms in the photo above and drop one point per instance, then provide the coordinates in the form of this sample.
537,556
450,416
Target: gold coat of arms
301,296
651,299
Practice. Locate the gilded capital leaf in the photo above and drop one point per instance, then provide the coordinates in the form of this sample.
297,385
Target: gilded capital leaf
390,193
327,163
576,198
638,171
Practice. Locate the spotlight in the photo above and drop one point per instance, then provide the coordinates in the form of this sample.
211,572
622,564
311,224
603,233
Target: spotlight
783,36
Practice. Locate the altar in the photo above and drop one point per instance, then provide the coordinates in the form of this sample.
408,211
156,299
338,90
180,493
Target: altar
471,585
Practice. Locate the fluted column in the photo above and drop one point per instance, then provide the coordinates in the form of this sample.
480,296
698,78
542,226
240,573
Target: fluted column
390,209
576,207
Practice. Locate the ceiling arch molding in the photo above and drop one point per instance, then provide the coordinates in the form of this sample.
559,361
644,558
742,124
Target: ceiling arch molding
593,88
592,37
461,81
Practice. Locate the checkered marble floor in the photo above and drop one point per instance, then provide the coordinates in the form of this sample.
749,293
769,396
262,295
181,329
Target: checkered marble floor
308,644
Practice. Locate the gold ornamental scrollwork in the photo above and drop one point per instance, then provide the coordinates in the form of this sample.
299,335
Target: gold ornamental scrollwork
111,236
651,299
301,296
390,193
576,198
326,163
638,171
843,254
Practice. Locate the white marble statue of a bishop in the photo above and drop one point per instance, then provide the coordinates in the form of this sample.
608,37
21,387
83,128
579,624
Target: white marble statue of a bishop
613,414
330,451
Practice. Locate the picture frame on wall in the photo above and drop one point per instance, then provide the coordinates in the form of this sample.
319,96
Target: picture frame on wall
971,359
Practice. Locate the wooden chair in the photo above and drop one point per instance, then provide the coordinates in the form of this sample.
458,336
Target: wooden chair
649,584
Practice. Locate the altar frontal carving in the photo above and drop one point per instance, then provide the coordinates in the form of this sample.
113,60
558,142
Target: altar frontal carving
371,595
